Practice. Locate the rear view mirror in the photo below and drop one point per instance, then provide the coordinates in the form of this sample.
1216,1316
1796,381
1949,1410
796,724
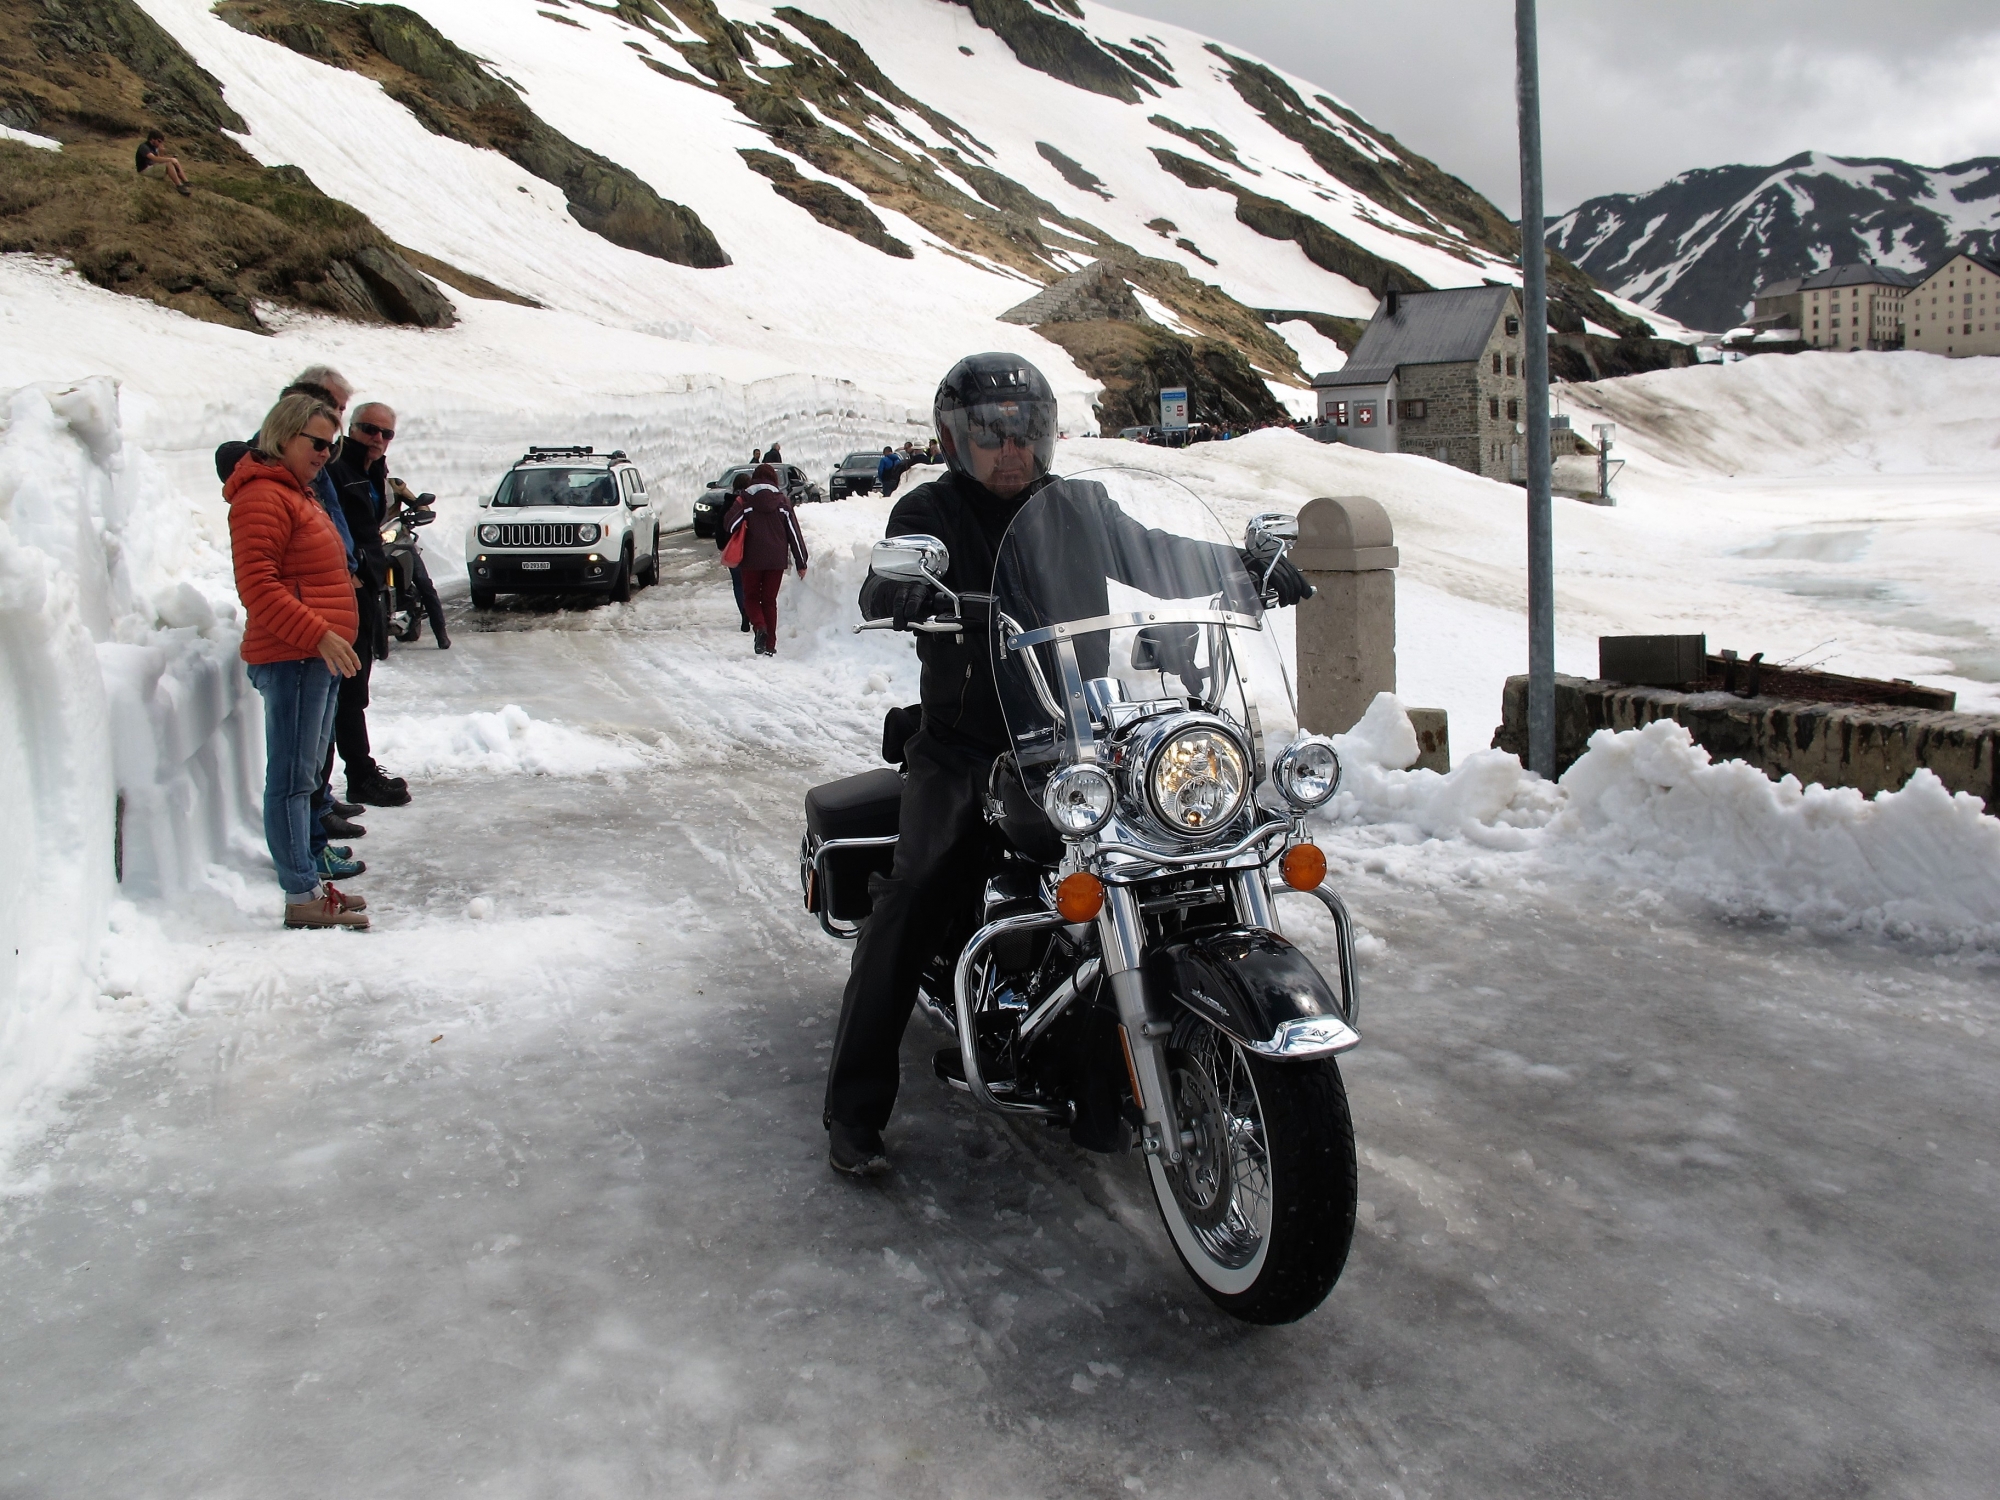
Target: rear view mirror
1270,535
915,558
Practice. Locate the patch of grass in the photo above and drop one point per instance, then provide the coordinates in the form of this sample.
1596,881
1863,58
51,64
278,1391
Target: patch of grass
94,75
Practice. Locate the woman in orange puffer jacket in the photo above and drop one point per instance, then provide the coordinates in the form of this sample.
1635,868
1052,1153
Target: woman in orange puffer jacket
291,574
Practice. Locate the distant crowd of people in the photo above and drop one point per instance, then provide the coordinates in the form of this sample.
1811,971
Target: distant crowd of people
1211,432
889,472
306,510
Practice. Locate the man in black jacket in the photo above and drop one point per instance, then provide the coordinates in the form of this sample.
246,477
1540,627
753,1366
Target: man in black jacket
359,472
996,424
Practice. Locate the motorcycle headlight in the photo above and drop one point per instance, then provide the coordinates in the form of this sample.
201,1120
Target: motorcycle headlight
1308,772
1078,800
489,536
586,534
1198,780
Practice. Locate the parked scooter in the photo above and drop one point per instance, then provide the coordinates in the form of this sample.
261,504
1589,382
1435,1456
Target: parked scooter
402,603
1123,975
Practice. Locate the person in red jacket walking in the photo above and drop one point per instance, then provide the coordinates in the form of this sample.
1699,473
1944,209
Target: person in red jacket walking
771,538
298,639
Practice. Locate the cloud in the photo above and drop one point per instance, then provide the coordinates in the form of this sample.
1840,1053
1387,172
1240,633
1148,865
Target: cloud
1636,93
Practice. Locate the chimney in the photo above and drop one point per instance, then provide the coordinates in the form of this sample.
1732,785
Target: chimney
1390,300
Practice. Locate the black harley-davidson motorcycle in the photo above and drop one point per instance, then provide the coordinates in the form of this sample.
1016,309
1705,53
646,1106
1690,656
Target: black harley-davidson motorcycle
1123,975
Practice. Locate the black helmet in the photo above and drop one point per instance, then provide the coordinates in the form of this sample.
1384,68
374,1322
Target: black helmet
988,398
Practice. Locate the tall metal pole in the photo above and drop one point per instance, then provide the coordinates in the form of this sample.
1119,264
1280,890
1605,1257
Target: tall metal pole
1535,374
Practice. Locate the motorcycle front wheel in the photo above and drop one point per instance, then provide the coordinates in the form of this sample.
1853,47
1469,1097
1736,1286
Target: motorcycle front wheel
1260,1206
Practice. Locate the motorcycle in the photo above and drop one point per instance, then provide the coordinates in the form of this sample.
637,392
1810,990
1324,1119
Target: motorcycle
402,608
1122,973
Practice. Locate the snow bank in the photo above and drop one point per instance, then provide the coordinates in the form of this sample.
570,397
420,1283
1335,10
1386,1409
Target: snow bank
1647,810
128,735
507,743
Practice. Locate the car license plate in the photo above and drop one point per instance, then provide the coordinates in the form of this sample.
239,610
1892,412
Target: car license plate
534,567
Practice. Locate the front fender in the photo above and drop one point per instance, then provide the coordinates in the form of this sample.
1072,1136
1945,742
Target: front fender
1255,987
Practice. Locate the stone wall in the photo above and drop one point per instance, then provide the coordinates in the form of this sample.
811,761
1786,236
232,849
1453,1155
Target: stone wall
1452,415
1869,748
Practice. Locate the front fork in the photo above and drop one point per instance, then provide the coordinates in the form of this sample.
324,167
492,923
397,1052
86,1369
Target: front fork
1122,939
1141,1026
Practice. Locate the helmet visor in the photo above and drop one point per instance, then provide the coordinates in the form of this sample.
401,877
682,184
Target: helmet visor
990,426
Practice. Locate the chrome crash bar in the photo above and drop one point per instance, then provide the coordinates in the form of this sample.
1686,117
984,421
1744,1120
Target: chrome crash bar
846,933
1343,932
968,1038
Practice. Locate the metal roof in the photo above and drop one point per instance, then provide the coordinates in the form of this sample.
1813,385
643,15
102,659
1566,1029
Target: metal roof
1427,328
1863,275
1778,288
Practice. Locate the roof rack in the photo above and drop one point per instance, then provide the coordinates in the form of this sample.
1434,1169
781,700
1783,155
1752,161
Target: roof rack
559,453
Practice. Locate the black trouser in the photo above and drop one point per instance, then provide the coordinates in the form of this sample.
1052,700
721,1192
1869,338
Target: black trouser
427,594
939,868
350,714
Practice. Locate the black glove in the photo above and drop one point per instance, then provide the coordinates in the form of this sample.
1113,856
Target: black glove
912,601
1286,581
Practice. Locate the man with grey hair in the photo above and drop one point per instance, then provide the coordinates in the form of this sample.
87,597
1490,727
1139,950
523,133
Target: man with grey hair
359,473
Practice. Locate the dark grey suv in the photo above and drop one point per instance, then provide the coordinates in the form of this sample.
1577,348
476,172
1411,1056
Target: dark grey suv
854,475
708,510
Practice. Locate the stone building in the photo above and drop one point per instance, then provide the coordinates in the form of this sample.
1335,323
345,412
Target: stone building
1955,310
1437,374
1853,307
1775,306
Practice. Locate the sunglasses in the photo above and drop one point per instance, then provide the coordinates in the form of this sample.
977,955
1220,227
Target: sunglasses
320,445
990,427
386,434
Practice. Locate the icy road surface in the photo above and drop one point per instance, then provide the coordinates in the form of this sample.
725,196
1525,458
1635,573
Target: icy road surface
534,1203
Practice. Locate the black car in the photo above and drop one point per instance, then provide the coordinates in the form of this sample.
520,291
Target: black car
708,510
854,475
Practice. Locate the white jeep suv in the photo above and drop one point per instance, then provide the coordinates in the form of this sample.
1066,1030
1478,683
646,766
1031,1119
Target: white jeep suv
562,521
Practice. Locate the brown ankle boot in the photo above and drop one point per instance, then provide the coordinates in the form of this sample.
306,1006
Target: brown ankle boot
324,910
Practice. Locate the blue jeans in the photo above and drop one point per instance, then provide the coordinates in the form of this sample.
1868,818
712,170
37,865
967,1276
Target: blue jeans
299,698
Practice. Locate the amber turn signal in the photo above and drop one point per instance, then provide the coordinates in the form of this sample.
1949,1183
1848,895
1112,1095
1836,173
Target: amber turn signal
1080,897
1303,866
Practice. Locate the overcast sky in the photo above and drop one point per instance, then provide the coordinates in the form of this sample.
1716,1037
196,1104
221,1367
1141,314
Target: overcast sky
1636,91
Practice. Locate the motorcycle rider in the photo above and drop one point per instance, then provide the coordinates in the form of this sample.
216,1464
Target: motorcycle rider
995,416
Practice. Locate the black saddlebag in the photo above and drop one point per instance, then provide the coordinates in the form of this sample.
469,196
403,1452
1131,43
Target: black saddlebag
835,879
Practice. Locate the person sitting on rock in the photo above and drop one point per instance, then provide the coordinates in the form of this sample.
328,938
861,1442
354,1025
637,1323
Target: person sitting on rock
152,153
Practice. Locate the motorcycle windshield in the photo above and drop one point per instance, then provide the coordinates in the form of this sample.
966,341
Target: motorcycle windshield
1122,587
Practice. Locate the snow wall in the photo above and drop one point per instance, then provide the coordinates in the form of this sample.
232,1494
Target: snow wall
130,737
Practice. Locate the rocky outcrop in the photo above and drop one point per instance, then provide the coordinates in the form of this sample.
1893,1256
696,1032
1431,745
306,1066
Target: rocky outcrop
452,95
1073,172
826,203
1280,221
1050,45
1134,361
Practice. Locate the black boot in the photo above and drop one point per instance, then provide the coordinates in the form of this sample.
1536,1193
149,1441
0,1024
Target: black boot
855,1150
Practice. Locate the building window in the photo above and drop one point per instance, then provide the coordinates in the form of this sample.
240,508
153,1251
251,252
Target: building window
1513,411
1513,328
1364,414
1496,364
1339,413
1510,365
1415,411
1493,407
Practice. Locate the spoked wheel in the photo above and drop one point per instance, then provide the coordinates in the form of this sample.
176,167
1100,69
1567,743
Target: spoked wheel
1261,1204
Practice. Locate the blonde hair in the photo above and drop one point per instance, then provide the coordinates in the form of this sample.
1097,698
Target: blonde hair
290,417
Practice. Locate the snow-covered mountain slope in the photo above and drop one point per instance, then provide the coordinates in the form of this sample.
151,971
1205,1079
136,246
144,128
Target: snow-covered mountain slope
1696,248
882,177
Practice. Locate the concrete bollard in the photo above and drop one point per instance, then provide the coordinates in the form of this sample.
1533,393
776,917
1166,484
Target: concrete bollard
1346,631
